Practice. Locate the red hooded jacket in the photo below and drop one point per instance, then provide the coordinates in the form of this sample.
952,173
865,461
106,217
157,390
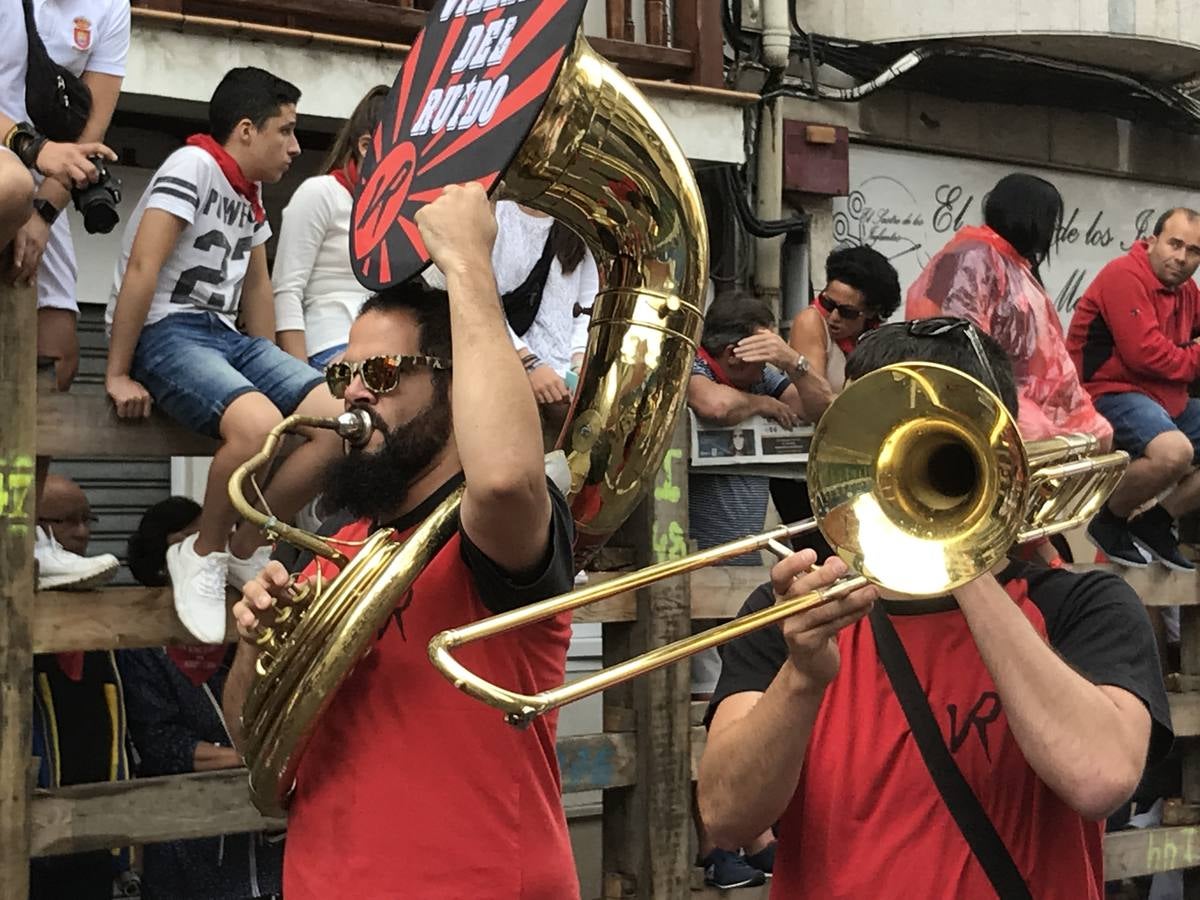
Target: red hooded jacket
1130,332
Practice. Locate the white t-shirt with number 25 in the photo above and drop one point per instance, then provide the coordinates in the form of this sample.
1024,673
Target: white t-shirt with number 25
206,269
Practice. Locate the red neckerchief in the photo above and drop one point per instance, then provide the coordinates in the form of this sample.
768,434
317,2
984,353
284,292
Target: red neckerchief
232,171
71,663
346,176
198,663
718,373
846,345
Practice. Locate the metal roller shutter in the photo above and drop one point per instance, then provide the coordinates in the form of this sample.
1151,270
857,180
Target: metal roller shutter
119,490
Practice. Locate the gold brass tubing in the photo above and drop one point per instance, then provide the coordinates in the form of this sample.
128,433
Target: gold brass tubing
273,527
520,707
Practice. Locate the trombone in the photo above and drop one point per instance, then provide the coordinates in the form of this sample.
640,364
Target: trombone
919,481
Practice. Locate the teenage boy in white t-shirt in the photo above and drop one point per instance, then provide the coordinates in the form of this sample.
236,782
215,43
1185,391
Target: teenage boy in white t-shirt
193,259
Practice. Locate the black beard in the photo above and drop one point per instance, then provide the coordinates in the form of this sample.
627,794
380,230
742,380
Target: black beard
374,484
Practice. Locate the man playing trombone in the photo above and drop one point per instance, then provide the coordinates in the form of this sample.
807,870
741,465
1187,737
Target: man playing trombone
1032,701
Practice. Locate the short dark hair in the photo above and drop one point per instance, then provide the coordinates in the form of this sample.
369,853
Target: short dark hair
1191,214
1027,212
895,343
428,305
147,548
733,317
866,269
247,93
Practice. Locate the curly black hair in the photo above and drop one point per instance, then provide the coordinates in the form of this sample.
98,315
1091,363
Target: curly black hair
869,271
147,550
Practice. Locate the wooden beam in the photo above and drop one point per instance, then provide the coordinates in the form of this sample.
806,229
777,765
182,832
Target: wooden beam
645,60
176,807
1156,585
109,619
83,423
1148,851
698,29
18,368
1185,714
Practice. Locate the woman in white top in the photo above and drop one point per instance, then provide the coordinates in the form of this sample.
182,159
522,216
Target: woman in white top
317,296
552,344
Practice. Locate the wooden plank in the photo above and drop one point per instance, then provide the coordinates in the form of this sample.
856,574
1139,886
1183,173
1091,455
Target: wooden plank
1148,851
18,368
95,816
109,619
1185,714
126,617
1156,585
645,60
84,423
175,807
646,829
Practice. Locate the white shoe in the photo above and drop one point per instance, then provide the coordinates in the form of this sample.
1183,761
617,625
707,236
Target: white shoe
198,583
60,568
243,570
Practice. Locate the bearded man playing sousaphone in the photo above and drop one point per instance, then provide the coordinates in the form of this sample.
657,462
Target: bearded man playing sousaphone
1020,710
410,788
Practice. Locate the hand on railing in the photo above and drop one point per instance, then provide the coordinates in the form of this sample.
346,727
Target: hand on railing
131,399
770,408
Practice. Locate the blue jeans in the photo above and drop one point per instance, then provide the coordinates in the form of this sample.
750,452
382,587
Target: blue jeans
1138,419
320,360
194,366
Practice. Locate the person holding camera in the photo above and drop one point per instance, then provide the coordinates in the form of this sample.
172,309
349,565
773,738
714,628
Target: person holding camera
61,68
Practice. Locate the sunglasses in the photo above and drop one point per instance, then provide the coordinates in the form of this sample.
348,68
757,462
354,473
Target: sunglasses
847,312
944,326
380,374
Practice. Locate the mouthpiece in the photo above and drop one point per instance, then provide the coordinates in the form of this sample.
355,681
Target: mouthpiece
355,426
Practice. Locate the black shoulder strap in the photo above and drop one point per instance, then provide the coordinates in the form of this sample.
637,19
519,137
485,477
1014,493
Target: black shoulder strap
522,302
964,806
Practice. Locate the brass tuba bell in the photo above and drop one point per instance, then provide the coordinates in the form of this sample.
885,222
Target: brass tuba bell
600,160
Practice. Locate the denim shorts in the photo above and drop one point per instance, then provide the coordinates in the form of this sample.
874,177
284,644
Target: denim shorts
320,360
1138,419
194,365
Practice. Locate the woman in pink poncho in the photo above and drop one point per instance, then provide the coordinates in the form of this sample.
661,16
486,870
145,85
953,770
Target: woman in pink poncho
990,275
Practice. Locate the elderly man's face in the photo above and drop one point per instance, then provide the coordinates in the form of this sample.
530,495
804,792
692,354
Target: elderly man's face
64,511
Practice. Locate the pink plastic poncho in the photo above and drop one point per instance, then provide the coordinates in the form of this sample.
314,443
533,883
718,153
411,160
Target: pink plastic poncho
980,277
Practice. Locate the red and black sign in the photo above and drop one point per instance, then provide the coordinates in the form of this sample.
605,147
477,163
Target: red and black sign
461,107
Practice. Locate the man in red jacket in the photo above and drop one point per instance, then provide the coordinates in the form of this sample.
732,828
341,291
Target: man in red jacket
1133,340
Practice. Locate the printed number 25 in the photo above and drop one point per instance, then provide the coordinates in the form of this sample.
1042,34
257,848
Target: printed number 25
185,287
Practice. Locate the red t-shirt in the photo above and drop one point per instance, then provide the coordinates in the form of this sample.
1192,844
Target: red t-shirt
409,788
866,821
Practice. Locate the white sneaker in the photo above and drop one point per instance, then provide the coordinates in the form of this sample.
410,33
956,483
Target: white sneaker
243,570
60,568
198,583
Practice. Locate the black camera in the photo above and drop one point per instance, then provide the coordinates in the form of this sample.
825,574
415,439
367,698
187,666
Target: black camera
97,202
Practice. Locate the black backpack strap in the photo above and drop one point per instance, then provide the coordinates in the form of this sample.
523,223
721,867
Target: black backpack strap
964,806
522,302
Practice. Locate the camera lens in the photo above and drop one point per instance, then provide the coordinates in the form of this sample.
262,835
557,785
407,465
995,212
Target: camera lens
97,202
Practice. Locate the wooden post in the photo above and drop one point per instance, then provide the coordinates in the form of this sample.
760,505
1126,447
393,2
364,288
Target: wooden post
647,827
1189,665
656,22
18,370
698,28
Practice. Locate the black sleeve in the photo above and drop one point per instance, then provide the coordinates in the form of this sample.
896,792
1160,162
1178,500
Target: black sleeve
502,591
1097,623
751,662
165,743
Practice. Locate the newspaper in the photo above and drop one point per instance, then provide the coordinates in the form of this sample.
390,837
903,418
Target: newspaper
756,446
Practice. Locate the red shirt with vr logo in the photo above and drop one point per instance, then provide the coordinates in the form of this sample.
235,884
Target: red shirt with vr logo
866,821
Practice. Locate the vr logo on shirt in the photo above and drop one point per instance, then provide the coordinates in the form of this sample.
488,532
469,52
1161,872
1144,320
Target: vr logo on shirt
985,711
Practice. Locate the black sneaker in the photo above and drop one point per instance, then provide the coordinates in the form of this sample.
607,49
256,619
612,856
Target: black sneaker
726,870
1154,532
764,859
1111,536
